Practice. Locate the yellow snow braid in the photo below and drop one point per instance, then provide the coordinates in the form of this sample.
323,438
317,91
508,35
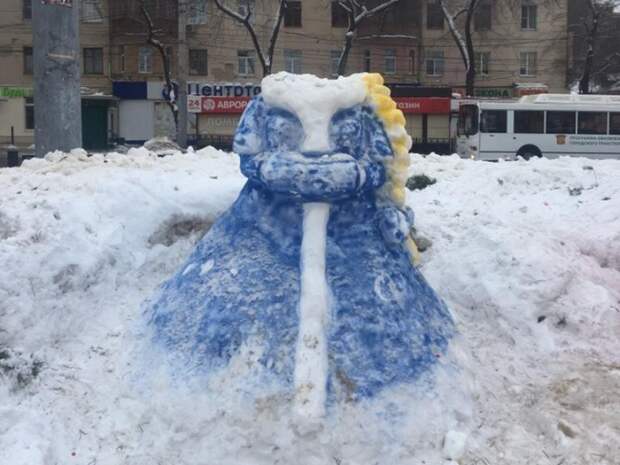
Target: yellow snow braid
394,124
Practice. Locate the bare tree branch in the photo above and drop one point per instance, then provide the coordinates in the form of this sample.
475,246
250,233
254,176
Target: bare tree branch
608,62
266,61
463,40
159,46
274,32
356,14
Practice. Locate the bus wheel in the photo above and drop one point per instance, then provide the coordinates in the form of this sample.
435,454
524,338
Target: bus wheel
529,151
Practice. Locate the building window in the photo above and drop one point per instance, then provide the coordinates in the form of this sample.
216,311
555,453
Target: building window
29,107
121,58
367,61
411,61
91,11
529,15
196,12
482,17
27,10
434,62
481,62
292,61
93,61
528,64
246,61
434,15
292,14
27,54
145,60
198,62
389,61
339,15
244,7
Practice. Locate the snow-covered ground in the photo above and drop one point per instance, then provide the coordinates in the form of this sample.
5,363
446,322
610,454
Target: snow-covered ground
526,254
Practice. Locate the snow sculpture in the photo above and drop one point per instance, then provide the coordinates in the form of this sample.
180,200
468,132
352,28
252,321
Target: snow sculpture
313,262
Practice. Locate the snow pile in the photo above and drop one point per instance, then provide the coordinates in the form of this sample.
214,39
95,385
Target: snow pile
527,255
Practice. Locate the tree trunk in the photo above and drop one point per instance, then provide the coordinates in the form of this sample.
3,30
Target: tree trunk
344,56
470,76
584,82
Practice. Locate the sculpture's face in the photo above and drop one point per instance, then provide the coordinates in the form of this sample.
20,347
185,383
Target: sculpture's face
313,152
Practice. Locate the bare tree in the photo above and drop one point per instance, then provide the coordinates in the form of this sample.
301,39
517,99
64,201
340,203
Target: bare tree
463,39
265,57
595,19
357,12
161,48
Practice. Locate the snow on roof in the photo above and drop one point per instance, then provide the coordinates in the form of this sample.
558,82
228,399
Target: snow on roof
571,98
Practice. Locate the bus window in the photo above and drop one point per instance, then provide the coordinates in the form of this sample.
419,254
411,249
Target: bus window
560,122
468,120
493,121
614,123
529,122
591,122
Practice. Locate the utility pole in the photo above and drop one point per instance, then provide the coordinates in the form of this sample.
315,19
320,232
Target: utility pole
182,64
56,53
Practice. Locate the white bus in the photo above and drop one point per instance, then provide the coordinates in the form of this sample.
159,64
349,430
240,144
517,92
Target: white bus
545,125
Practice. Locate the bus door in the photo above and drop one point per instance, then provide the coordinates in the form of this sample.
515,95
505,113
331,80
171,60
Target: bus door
467,131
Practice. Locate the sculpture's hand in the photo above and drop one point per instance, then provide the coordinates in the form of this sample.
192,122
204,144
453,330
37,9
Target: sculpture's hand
395,224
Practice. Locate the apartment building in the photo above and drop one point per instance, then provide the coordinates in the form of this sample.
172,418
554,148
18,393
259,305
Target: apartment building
519,43
520,46
221,53
16,69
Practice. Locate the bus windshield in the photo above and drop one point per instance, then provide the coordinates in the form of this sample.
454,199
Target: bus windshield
468,120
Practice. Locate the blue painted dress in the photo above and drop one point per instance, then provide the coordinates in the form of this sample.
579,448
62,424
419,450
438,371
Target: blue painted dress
242,283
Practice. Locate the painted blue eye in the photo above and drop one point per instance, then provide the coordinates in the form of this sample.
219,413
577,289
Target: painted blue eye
346,132
283,131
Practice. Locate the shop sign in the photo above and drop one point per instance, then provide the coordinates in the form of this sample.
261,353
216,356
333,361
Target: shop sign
15,92
423,105
521,91
488,92
216,105
223,90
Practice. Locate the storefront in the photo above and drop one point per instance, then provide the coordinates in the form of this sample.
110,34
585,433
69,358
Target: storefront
17,119
98,121
218,108
16,116
427,111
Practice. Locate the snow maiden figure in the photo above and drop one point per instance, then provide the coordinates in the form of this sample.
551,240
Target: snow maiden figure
312,266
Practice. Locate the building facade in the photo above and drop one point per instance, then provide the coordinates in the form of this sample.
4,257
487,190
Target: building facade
16,70
518,43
